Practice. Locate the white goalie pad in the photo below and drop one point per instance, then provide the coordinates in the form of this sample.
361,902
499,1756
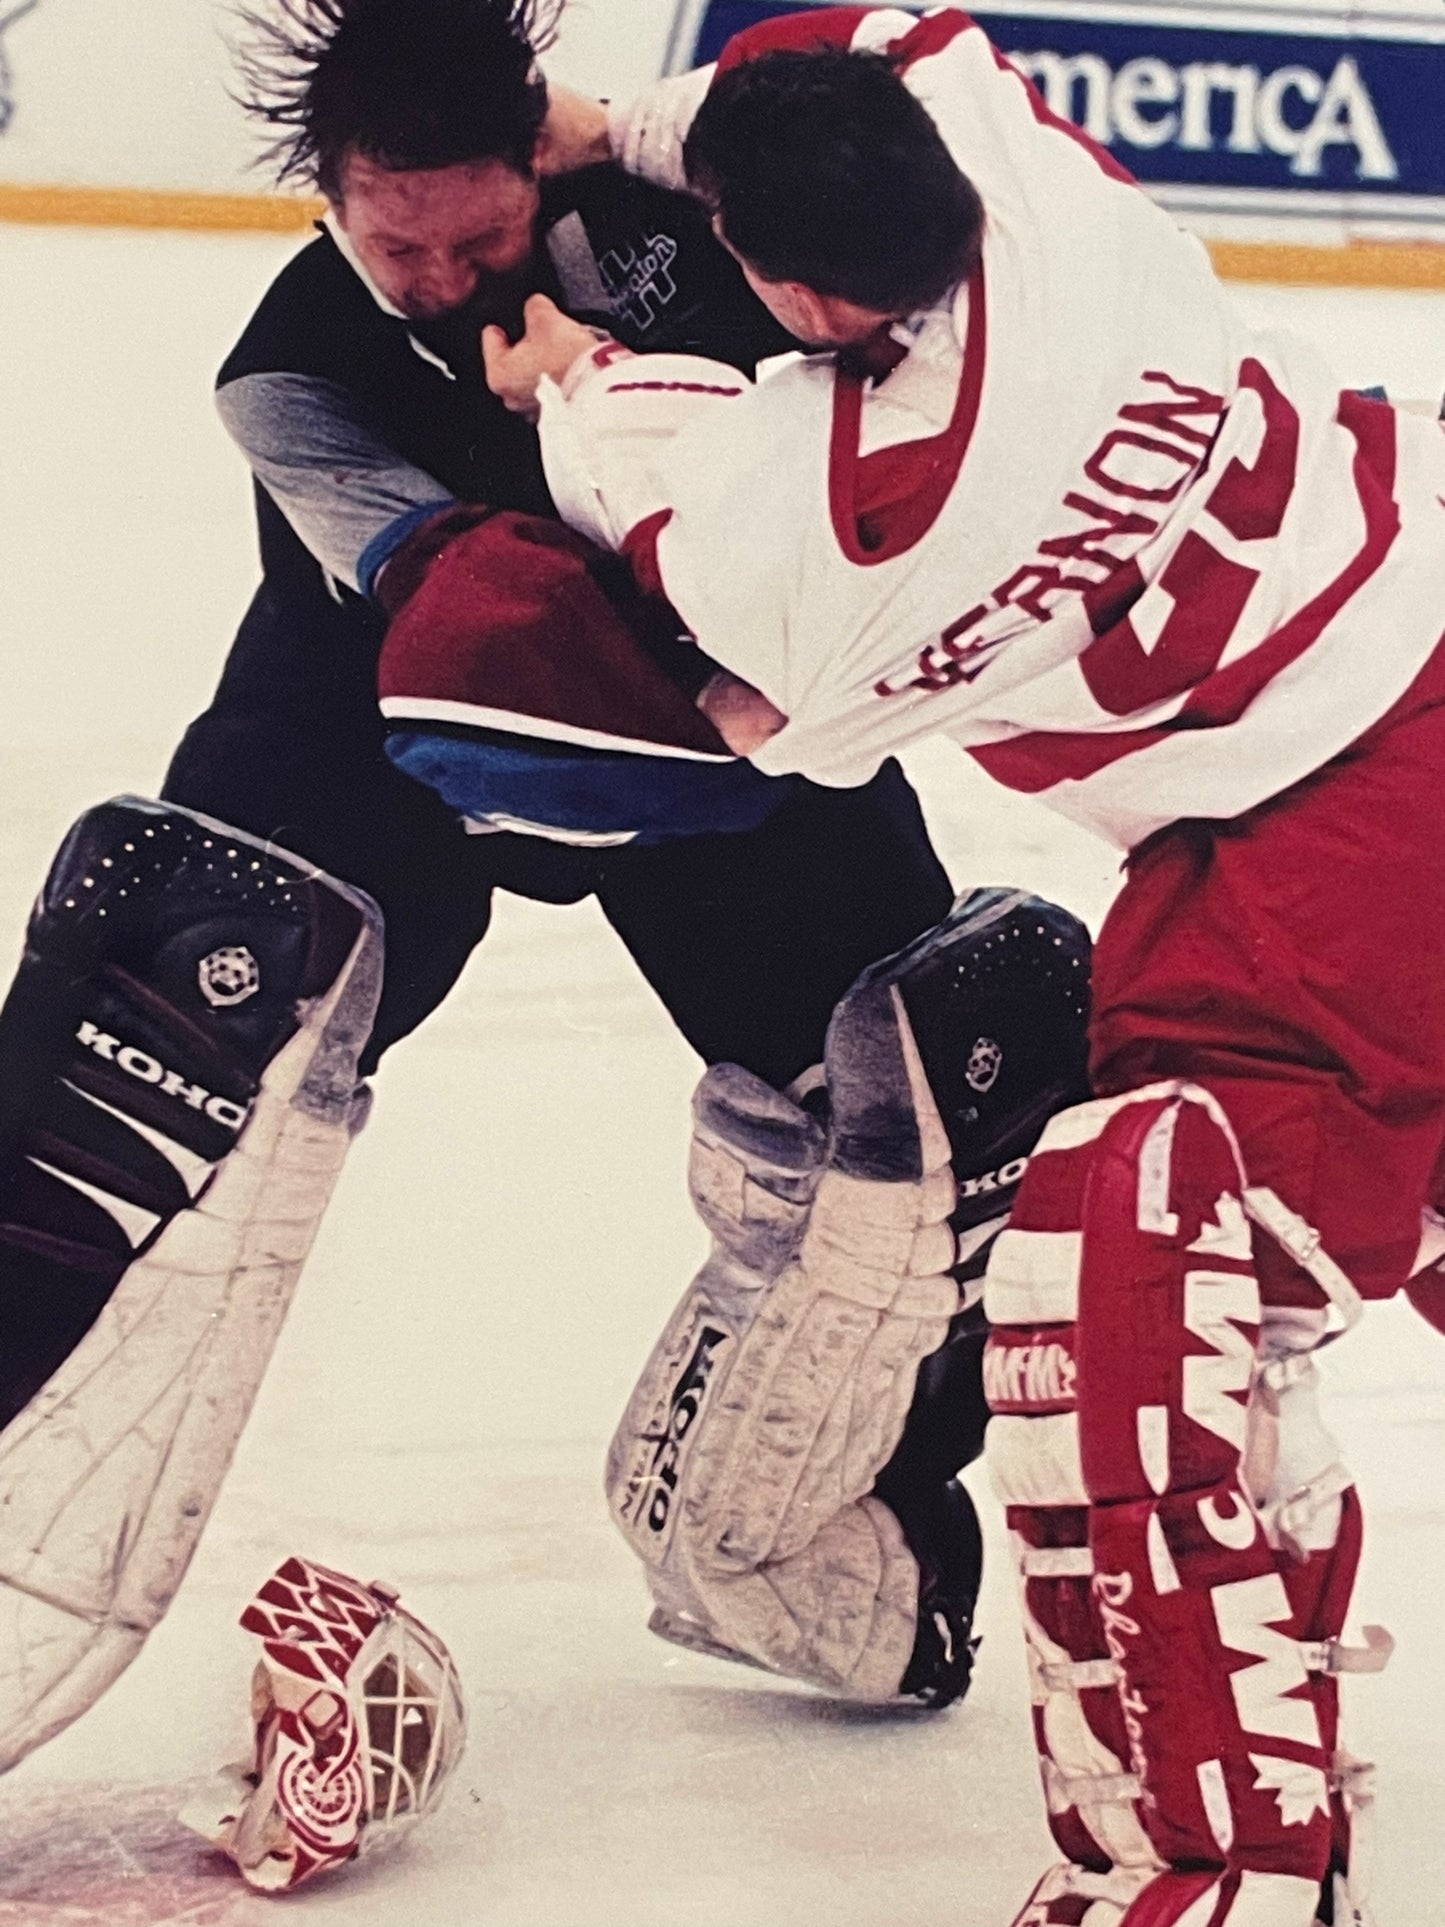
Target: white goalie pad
779,1390
746,1471
109,1473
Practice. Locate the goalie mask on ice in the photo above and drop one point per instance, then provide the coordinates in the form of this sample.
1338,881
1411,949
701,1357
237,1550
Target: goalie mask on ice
785,1468
177,1092
359,1725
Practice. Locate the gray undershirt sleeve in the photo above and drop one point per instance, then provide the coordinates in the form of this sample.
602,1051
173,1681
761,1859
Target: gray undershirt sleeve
323,461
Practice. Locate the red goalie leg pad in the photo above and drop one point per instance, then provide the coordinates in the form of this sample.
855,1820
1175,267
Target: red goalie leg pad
1221,1718
1319,1587
1079,1725
1222,1723
1075,1897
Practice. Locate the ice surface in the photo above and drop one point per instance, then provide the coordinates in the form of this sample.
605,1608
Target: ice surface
509,1234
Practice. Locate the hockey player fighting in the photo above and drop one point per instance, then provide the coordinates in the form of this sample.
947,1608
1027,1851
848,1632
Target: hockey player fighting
1038,490
182,1052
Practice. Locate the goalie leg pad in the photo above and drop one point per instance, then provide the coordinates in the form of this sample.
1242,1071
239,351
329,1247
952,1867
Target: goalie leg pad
754,1166
1311,1514
1169,1632
178,1059
742,1469
1071,1896
777,1532
819,1386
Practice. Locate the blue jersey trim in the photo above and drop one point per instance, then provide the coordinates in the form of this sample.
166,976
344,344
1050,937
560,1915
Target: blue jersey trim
384,544
588,793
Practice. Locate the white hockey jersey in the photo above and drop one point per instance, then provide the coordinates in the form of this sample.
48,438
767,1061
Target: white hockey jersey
1132,557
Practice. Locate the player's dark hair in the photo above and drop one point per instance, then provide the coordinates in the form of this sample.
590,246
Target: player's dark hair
824,169
407,83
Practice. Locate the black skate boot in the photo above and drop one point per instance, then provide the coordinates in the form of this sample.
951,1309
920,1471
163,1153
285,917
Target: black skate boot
943,1432
949,1551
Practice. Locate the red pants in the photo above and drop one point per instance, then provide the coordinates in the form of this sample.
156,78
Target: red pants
1292,961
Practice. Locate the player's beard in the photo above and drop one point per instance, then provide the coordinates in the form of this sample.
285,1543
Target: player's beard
496,298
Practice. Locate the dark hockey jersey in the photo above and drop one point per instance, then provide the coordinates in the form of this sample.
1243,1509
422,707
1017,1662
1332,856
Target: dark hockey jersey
359,424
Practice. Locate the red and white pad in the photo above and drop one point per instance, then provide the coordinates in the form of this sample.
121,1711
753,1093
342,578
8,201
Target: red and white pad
1186,1539
359,1723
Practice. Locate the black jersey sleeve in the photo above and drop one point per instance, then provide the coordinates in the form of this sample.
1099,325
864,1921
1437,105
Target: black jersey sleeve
358,424
303,393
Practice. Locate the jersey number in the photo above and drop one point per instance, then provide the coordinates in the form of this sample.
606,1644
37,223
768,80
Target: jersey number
1208,590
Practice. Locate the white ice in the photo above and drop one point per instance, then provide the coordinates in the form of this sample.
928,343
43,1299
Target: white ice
509,1233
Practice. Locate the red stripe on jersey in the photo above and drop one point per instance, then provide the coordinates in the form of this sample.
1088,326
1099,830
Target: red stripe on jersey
1045,115
670,388
1224,696
838,27
1041,759
932,34
639,545
1208,590
1038,760
792,33
881,504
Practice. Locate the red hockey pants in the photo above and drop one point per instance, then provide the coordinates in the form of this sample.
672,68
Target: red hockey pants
1292,961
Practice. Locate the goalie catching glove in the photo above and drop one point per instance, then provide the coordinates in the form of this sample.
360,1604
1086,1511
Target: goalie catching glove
784,1469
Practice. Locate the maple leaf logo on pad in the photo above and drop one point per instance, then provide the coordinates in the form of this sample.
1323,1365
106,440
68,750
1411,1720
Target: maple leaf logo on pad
1300,1789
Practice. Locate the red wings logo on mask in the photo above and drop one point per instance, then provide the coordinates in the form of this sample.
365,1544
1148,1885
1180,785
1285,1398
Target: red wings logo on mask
358,1722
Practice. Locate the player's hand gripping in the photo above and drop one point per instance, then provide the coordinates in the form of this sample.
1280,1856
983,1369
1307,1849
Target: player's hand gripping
740,714
551,344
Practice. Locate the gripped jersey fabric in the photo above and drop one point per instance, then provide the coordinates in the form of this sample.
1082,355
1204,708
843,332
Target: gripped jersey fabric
359,425
1146,565
1135,559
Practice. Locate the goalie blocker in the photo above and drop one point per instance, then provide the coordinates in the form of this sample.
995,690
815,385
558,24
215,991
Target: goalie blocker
177,1092
786,1466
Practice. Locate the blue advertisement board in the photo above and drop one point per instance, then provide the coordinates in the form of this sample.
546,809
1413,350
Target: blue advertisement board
1302,114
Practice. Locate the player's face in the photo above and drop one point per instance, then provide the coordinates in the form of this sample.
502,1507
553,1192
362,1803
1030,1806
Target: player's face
433,239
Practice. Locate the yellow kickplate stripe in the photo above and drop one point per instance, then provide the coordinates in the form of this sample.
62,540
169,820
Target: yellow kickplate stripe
1359,264
155,208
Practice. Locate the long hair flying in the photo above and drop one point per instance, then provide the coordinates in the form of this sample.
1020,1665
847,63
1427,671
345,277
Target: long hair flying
408,83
